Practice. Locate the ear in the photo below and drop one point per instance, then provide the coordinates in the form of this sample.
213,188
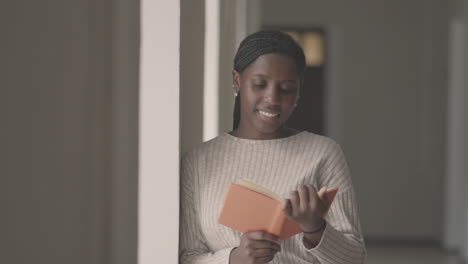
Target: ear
236,80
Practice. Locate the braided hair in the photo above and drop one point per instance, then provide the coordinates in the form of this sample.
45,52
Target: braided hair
260,43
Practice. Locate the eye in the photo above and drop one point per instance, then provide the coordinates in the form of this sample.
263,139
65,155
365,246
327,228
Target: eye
259,84
288,89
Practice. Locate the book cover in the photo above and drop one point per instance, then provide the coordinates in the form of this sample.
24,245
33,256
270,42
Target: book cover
248,207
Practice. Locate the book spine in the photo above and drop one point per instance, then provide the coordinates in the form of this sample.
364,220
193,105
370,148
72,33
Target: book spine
277,222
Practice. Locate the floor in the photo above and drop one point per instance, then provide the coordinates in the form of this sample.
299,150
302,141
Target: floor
414,255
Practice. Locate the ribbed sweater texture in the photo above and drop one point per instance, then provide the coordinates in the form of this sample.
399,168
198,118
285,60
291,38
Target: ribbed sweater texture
280,165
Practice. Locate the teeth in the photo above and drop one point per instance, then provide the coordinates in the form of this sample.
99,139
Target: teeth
267,114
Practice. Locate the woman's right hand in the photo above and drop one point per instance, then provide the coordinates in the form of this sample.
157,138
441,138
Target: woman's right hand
255,248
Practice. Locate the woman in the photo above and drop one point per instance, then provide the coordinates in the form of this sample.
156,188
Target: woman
267,78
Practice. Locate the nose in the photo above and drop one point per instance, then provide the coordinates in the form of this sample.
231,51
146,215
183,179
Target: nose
272,95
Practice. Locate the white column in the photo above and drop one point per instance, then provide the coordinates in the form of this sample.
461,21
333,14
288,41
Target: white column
158,201
211,74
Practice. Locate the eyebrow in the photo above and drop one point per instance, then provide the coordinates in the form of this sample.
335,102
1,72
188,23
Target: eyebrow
265,76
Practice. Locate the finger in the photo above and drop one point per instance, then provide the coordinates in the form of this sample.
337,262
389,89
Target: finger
264,252
303,197
325,199
286,207
263,236
263,244
323,196
313,196
262,260
294,198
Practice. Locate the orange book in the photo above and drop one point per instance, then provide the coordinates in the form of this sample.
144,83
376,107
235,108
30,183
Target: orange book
249,207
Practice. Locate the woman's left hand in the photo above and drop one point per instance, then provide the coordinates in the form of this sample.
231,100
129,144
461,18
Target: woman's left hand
306,207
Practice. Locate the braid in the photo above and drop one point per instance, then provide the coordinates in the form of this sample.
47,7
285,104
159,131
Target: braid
263,42
236,118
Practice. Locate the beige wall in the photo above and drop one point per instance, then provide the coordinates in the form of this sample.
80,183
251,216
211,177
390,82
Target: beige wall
69,138
391,91
123,152
54,132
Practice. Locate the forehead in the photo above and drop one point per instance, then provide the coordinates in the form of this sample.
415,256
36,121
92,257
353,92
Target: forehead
273,65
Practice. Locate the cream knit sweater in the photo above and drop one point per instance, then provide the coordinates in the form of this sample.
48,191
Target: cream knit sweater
280,165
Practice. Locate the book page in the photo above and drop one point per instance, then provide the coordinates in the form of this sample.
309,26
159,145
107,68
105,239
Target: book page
258,188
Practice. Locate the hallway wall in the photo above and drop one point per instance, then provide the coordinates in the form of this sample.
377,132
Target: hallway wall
192,40
454,217
465,143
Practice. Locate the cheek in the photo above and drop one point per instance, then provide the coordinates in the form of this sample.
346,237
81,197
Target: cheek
248,99
289,102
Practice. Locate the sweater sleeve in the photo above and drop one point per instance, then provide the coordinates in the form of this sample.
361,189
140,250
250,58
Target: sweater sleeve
193,248
342,241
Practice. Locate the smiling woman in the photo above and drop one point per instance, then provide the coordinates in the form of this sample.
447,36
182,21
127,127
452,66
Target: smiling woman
267,79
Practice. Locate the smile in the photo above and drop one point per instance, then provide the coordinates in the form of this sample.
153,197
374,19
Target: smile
268,114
